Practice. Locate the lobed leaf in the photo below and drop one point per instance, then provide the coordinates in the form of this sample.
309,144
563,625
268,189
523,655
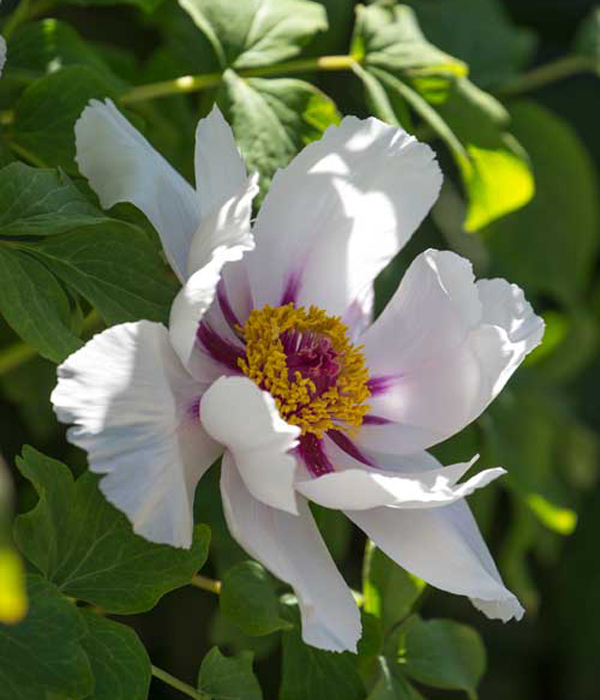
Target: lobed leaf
256,32
228,677
43,653
443,654
87,547
249,600
119,661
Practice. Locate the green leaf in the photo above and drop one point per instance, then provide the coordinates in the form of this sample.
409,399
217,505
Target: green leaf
443,654
480,33
388,36
391,684
43,653
389,591
38,202
231,678
274,119
46,113
112,265
88,548
496,171
309,673
256,32
62,238
550,245
249,600
119,661
402,69
48,45
33,302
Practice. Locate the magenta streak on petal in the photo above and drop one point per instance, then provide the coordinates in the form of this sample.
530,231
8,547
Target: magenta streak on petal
311,451
193,410
291,289
218,348
344,443
226,310
379,385
376,420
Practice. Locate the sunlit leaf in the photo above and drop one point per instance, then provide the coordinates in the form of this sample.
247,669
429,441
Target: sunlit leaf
256,32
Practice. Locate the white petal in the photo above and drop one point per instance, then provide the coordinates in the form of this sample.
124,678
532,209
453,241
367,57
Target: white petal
131,403
243,418
122,166
224,236
220,170
443,546
339,213
2,53
443,349
292,548
365,488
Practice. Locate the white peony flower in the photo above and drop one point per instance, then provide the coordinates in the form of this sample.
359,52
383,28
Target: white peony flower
272,361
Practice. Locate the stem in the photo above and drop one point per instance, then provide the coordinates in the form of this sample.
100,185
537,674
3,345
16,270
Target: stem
549,73
18,17
194,83
206,584
177,684
26,155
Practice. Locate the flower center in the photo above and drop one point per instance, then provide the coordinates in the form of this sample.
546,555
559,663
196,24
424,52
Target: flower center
305,360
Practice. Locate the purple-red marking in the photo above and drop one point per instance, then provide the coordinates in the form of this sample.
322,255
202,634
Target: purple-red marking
226,308
311,451
379,385
344,443
218,348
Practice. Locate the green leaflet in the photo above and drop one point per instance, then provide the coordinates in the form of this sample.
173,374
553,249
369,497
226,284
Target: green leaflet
229,677
443,654
273,119
54,241
249,600
118,659
88,549
402,69
256,32
43,653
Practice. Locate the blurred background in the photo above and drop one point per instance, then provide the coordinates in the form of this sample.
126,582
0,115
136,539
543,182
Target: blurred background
543,521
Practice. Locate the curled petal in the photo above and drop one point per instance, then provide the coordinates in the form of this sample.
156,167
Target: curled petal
441,351
362,489
443,546
121,166
243,418
292,548
339,213
134,410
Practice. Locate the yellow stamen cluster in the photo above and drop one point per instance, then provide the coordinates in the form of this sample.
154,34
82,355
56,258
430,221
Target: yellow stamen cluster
296,397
